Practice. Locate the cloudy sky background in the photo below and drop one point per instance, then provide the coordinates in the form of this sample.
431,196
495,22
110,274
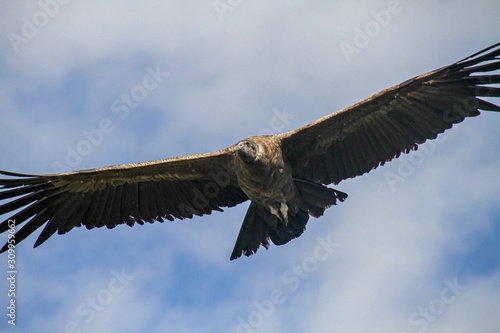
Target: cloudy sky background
419,255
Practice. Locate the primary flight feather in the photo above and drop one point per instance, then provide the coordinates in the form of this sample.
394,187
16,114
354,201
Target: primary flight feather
283,175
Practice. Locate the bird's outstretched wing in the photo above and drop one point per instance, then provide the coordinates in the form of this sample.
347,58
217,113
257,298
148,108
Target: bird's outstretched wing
367,134
177,187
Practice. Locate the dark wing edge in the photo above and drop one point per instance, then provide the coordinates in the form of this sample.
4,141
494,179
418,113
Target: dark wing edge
370,133
179,187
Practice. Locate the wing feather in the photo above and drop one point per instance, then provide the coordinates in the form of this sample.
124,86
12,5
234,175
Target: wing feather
120,194
77,215
369,133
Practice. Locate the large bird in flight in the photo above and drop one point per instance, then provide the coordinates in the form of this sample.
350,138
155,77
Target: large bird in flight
283,175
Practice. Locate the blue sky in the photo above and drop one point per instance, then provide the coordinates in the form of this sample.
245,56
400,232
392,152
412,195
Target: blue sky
420,255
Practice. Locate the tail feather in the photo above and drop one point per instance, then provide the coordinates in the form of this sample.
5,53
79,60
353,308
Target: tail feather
282,234
260,225
317,197
254,232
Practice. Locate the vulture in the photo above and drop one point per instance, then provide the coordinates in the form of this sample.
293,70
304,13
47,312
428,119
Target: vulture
285,176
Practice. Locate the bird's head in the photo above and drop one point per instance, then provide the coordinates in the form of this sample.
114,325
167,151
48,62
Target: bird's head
247,150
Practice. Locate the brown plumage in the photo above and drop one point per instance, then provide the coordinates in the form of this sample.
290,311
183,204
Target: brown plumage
283,175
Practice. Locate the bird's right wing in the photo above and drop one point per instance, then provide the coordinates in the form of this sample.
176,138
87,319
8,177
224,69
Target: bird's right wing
177,187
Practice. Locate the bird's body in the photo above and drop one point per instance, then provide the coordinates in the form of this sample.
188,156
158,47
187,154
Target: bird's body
283,175
264,176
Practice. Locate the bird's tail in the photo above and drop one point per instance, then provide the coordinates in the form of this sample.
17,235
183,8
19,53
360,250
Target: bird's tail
317,197
254,232
260,225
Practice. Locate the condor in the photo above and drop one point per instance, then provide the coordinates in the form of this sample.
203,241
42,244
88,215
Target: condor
283,175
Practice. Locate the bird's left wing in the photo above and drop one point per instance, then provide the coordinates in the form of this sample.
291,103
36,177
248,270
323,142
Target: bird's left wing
367,134
177,187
